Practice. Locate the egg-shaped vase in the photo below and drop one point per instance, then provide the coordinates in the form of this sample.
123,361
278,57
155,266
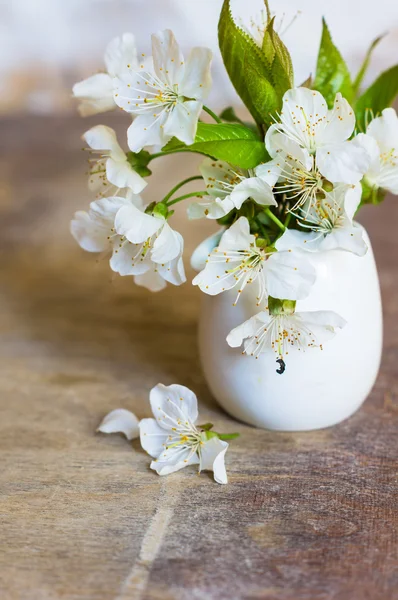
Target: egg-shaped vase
319,388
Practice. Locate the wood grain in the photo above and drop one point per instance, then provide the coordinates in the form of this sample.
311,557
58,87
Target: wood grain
305,516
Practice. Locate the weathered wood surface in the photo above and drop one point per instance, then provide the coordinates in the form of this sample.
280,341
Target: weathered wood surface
305,516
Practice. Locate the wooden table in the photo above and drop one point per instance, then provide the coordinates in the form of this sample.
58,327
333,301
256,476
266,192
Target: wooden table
305,516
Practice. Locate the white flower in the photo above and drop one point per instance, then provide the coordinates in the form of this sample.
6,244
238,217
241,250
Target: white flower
167,100
328,227
111,171
172,438
282,332
228,188
96,92
141,244
308,129
201,253
120,420
237,261
381,143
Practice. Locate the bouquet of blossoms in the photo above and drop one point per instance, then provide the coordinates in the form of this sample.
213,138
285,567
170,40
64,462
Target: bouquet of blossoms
282,187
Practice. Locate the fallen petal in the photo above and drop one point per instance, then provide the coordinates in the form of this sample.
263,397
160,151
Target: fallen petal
120,420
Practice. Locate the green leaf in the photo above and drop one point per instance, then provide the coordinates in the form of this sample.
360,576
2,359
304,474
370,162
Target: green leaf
229,115
263,94
377,97
279,58
139,162
332,74
233,143
361,73
238,49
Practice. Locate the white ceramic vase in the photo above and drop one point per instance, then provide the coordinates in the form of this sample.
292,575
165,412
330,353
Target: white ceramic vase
319,387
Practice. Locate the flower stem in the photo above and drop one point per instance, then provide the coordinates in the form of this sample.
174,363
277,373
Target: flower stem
191,195
274,218
287,220
160,154
179,185
212,114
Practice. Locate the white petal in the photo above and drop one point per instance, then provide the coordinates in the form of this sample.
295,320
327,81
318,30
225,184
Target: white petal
121,54
213,279
173,460
136,200
382,173
340,123
352,200
215,173
152,437
122,175
293,238
96,93
168,60
196,82
136,225
182,121
173,271
238,236
90,233
321,323
216,277
88,107
147,130
167,246
303,116
151,280
215,209
212,456
127,259
348,238
247,329
102,137
384,130
255,188
91,230
173,403
289,276
270,171
343,163
121,420
201,253
279,145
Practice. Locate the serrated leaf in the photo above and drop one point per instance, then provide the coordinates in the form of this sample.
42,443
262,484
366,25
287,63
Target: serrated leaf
237,49
362,71
232,143
263,94
332,74
279,58
377,97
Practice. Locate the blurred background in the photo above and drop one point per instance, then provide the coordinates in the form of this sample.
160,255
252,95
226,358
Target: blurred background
46,45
